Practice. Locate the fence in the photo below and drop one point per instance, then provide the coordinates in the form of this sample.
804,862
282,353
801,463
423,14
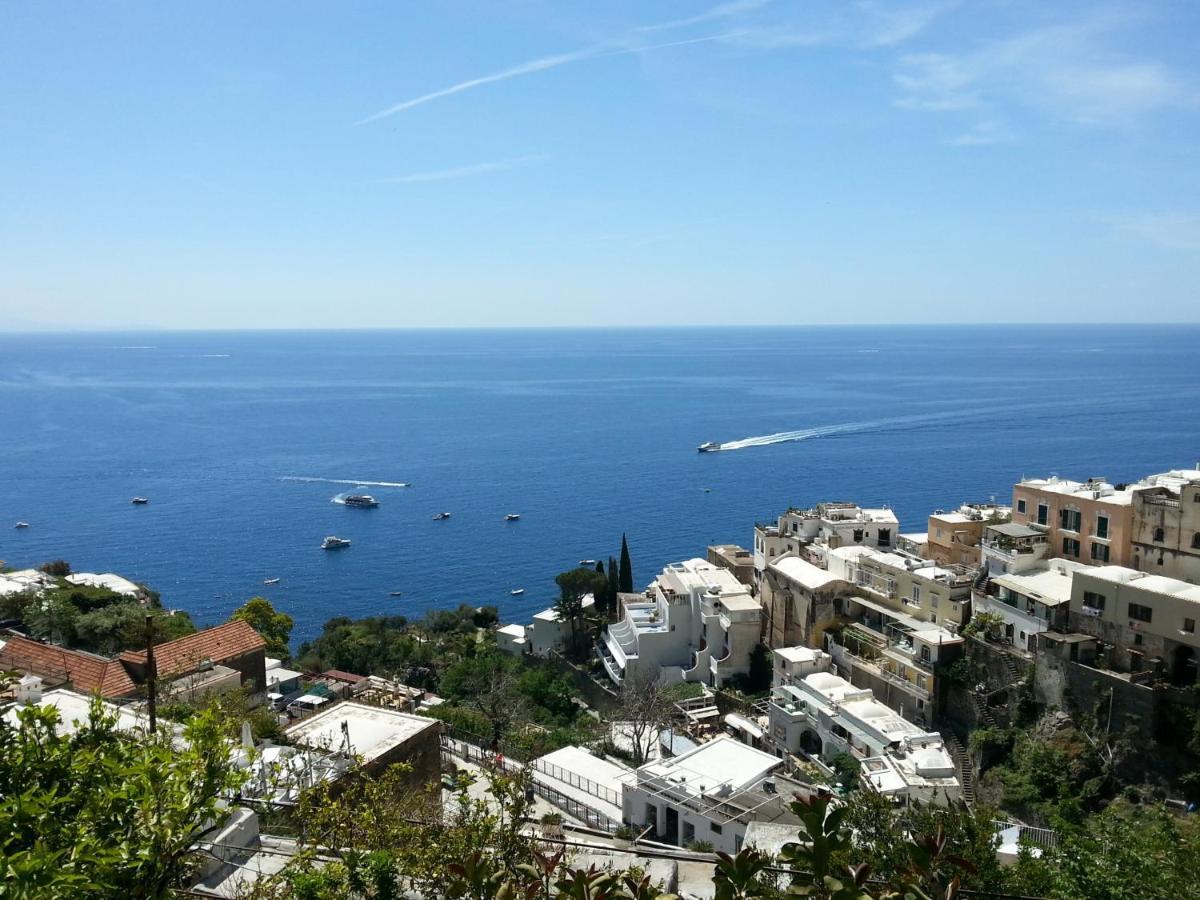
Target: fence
452,747
584,784
1028,834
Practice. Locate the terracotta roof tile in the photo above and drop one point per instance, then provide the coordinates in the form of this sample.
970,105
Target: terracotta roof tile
86,672
220,644
339,675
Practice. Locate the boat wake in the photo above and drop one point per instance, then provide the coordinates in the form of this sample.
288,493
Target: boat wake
354,482
807,434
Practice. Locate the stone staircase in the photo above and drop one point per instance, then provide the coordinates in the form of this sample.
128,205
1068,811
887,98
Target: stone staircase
983,714
1015,672
962,759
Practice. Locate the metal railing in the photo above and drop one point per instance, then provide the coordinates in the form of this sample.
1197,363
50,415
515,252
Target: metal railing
558,773
1028,834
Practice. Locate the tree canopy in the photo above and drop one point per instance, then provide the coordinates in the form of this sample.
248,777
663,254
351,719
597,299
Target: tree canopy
275,627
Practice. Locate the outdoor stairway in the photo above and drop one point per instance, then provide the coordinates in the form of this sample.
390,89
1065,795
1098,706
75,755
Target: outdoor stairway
1016,674
982,712
962,759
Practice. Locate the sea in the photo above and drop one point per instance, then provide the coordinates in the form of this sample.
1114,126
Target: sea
244,443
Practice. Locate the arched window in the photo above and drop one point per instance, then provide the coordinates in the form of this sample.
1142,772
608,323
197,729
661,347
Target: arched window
1158,534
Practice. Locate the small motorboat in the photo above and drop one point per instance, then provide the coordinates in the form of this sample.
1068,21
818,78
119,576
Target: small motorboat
270,581
395,594
516,592
333,542
709,447
362,501
21,525
587,562
441,516
512,517
139,501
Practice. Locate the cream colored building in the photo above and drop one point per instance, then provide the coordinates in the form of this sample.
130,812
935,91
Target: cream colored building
916,587
1166,525
798,600
1148,622
1087,521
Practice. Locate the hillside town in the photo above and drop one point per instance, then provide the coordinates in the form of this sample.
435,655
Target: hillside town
837,660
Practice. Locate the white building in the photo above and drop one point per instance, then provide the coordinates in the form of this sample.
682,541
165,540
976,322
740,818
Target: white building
697,622
1031,601
108,581
710,793
823,715
545,635
809,532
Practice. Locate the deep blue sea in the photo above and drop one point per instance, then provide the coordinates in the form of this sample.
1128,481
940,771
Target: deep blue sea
241,441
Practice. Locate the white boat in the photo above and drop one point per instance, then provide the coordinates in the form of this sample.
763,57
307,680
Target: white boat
139,501
362,501
709,447
334,543
440,516
512,517
270,581
21,525
587,562
395,593
517,592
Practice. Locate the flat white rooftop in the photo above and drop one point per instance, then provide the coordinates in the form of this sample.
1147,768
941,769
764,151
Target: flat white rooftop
804,573
373,731
1159,584
799,654
1049,584
1100,491
721,761
516,631
114,583
73,710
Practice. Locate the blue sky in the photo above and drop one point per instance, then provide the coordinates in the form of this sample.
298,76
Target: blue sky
302,164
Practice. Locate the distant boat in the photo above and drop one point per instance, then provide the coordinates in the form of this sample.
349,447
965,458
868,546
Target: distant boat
21,525
139,501
334,543
395,594
362,501
709,447
587,562
517,592
440,516
271,581
512,517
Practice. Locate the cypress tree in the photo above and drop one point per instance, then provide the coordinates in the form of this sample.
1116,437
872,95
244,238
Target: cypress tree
600,566
610,600
626,576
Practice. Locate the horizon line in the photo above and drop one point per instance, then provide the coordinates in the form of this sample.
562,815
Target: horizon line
166,329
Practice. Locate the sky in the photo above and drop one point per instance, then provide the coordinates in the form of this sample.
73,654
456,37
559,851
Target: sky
755,162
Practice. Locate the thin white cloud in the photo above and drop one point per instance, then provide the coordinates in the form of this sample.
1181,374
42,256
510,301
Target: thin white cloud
720,11
984,133
1065,71
500,165
1171,230
628,44
888,26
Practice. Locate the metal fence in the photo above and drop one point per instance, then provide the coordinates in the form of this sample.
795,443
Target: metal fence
584,784
1028,834
453,747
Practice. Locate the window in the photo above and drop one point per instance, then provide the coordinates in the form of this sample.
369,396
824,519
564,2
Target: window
916,593
1196,541
1196,497
1099,552
1189,626
1137,640
1021,507
1102,526
1093,600
933,601
1043,516
885,537
1140,613
933,618
716,829
1158,534
1070,547
1070,519
858,535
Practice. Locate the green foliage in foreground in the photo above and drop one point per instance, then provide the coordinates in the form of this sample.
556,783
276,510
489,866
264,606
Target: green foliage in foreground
102,814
